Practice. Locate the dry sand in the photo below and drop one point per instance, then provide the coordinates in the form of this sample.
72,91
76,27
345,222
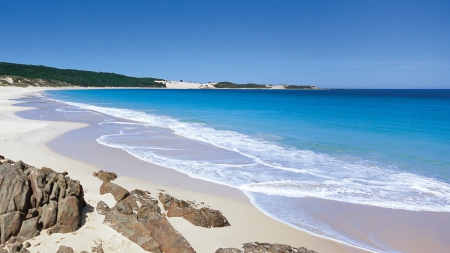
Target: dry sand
26,140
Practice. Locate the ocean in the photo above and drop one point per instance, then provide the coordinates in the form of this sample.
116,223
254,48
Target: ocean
383,148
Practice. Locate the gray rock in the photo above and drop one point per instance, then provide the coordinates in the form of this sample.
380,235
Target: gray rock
64,249
130,227
14,190
68,219
102,208
10,225
29,228
118,192
105,176
49,214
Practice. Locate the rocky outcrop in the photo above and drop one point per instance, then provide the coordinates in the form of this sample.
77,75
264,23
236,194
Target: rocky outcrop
138,217
203,217
105,176
256,247
33,199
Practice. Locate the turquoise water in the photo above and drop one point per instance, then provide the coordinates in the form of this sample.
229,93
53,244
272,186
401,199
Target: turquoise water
386,148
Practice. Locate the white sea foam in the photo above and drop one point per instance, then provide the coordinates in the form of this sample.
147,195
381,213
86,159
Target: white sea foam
276,170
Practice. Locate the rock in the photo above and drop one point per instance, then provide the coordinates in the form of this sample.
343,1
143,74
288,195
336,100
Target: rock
20,165
24,250
64,249
105,176
229,250
68,219
130,227
73,188
130,202
166,200
26,245
10,225
118,192
170,240
15,247
102,208
256,247
97,249
14,190
2,157
124,207
49,214
204,217
29,228
61,181
36,178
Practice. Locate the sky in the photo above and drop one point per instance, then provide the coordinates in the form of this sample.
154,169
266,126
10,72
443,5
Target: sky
330,44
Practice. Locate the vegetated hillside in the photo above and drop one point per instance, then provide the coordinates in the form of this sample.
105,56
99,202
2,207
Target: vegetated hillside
300,87
33,75
230,85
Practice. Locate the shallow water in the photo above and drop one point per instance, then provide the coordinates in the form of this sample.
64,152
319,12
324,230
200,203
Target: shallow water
385,148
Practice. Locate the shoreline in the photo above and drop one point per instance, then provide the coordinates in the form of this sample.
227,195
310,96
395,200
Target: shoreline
248,223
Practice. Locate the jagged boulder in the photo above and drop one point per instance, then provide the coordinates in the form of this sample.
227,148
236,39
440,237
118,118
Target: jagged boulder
29,228
10,224
49,214
130,227
14,190
105,176
203,217
102,208
69,215
118,192
169,239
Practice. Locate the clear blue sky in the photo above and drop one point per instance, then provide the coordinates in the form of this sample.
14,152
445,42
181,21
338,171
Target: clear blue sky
341,44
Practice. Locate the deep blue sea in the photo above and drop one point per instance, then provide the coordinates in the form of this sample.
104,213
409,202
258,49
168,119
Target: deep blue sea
386,148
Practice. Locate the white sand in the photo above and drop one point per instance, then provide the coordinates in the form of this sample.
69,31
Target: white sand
25,140
187,85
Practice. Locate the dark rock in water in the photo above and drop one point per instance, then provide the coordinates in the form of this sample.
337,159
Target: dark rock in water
10,224
29,228
49,214
14,190
130,227
229,250
102,208
204,217
64,249
69,217
105,176
118,192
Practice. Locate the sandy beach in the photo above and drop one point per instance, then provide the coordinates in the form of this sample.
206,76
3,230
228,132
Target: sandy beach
27,140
